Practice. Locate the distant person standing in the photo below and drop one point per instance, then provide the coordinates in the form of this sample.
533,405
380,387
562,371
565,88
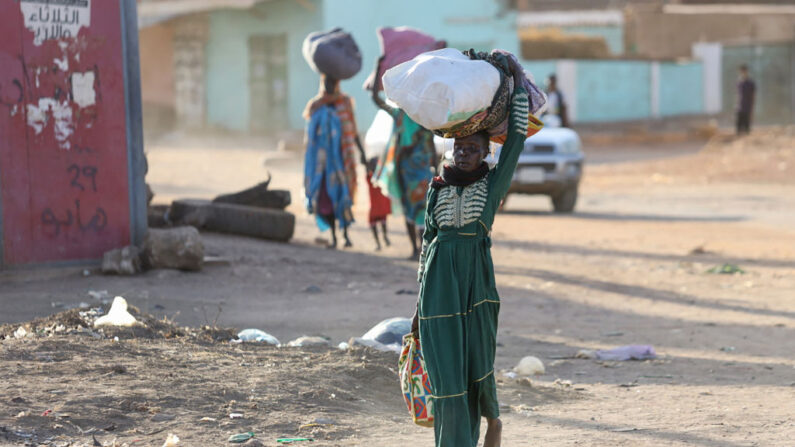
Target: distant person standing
746,94
556,104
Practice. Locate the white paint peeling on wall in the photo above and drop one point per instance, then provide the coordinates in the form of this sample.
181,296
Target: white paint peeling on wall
83,92
60,112
61,20
63,64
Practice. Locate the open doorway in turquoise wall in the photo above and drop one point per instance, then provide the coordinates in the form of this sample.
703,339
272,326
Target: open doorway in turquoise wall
268,82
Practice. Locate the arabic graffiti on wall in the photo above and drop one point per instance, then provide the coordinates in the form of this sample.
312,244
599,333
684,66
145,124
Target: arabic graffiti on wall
55,19
64,180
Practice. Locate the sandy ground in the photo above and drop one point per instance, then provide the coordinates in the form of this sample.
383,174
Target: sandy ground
629,267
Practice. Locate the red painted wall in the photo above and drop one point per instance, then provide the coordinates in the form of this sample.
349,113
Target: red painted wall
63,144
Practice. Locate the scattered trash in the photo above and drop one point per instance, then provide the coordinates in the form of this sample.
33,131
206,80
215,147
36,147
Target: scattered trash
208,419
313,289
529,366
726,269
235,415
389,331
308,341
60,305
728,349
622,353
563,383
171,441
20,333
292,440
86,273
99,295
257,336
117,315
359,341
511,375
241,437
46,413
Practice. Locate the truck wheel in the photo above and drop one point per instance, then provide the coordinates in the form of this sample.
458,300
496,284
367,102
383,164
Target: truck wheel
565,201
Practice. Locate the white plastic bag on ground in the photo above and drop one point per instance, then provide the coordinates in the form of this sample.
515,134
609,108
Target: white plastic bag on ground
529,366
117,315
306,340
257,335
171,441
441,88
389,331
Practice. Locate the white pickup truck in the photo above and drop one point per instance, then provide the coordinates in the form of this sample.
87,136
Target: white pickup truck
551,163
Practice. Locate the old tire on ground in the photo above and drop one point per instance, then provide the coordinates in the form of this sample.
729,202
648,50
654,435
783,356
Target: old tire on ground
193,212
565,201
251,221
259,196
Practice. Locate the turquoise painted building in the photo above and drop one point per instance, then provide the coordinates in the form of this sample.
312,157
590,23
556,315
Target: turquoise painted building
256,79
253,54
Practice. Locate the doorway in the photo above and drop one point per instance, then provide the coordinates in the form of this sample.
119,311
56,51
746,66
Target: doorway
268,83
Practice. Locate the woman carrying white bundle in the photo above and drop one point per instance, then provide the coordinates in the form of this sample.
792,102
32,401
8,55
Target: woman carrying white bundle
458,302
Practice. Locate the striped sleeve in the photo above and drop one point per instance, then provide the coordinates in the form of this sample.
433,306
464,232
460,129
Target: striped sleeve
513,147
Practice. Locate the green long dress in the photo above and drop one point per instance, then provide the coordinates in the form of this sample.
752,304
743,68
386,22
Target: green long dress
459,304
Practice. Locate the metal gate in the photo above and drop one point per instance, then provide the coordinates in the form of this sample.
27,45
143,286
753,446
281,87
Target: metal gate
771,67
71,158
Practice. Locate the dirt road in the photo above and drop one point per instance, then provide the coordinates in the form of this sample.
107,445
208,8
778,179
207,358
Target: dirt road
628,268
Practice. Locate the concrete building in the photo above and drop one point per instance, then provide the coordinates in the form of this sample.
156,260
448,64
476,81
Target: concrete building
663,31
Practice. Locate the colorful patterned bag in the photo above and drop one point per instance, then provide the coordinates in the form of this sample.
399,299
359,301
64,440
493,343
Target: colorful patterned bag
414,382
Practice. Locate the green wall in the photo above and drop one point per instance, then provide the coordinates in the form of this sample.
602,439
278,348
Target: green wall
228,65
681,88
612,90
